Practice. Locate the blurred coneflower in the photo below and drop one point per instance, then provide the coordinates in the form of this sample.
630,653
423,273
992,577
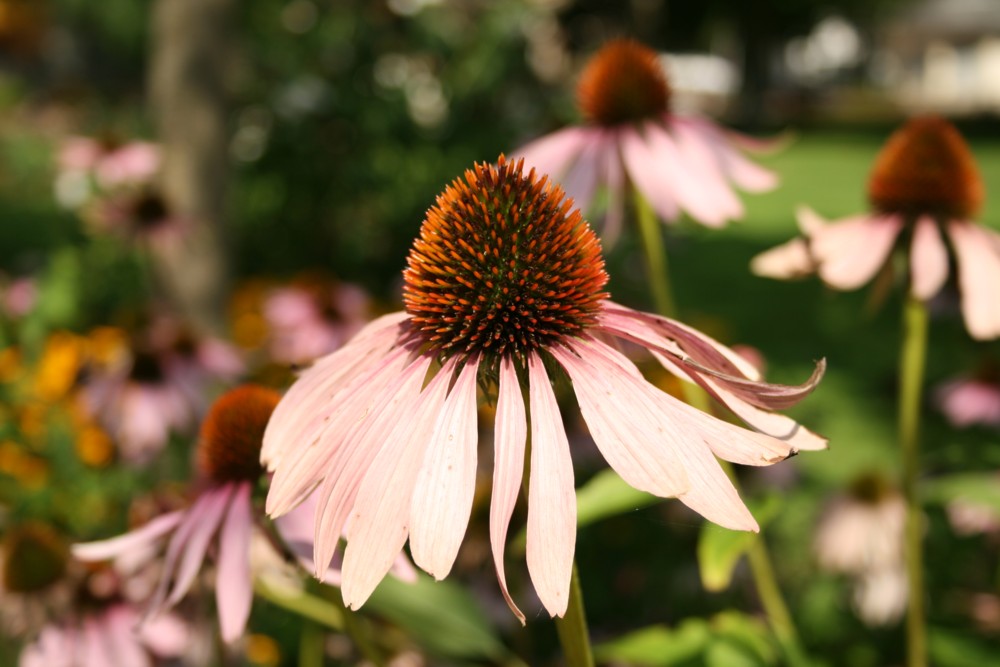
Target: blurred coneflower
633,136
972,399
110,161
137,215
924,190
504,290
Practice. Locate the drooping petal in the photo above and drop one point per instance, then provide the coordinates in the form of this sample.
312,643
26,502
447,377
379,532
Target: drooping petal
551,540
977,252
120,629
788,260
581,180
311,397
928,259
197,544
553,153
442,497
379,523
510,434
747,175
809,221
234,583
642,167
96,652
850,252
717,203
352,461
138,539
624,421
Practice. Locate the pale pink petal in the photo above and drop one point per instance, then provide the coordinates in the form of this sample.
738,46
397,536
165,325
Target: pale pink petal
580,181
510,435
747,175
234,583
96,652
442,498
79,153
614,178
122,638
58,646
167,636
350,411
713,201
788,260
977,252
138,539
197,543
379,523
551,540
351,463
966,402
850,252
624,420
312,393
928,259
552,154
643,167
809,221
134,162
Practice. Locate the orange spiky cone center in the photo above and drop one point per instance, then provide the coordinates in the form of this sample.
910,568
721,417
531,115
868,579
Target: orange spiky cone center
504,265
232,433
623,83
926,168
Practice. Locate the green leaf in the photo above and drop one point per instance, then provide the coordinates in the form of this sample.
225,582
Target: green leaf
746,631
658,645
951,649
720,549
725,653
441,615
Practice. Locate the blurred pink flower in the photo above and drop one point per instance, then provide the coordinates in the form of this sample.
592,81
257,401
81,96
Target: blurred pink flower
19,296
678,163
136,215
505,287
306,323
159,387
228,454
924,188
968,401
107,637
111,163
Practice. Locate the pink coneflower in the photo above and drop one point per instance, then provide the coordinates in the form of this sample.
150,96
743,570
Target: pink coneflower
924,188
142,214
109,161
228,453
505,288
156,388
678,163
309,321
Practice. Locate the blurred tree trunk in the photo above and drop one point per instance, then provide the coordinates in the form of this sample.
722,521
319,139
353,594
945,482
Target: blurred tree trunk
192,51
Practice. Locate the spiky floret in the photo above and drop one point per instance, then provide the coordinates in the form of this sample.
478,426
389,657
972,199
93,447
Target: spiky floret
232,433
504,265
926,168
623,83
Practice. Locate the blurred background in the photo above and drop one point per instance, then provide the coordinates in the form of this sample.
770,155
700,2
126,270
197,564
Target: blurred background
280,157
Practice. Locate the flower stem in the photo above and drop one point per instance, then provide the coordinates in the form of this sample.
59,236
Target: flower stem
758,555
310,645
911,377
572,628
656,255
354,628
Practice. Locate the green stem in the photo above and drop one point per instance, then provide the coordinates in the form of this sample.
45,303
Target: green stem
354,628
656,255
911,378
758,555
311,645
572,628
301,603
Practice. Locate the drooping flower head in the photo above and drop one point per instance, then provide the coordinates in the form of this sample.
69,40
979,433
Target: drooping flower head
505,285
633,138
924,189
228,454
623,83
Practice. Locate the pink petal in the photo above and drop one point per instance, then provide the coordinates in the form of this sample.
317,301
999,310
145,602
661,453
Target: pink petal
551,499
510,434
809,221
788,260
167,636
553,153
644,169
716,202
747,175
966,402
123,639
348,412
379,520
623,419
977,252
138,539
312,393
928,259
197,544
850,252
442,497
234,583
581,180
352,461
96,652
